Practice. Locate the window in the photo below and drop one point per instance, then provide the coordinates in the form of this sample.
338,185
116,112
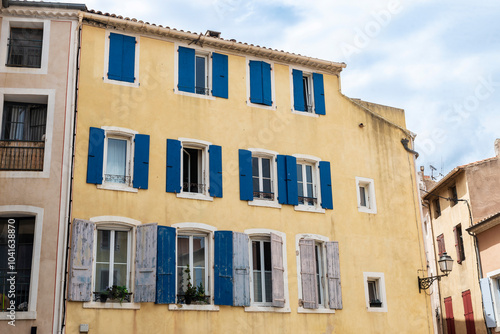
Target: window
122,55
437,208
453,195
22,140
306,184
25,47
194,169
314,186
308,92
192,264
366,195
260,83
262,273
459,243
468,312
490,290
450,320
262,178
376,300
196,67
440,244
118,159
318,274
16,244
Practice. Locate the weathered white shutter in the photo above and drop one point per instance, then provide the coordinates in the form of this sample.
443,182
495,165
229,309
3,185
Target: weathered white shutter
489,312
277,271
80,271
308,274
145,263
241,270
333,275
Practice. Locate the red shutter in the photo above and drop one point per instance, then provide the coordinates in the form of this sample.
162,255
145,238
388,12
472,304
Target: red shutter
469,315
450,320
440,243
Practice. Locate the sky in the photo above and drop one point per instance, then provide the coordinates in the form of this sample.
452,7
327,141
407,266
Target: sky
437,60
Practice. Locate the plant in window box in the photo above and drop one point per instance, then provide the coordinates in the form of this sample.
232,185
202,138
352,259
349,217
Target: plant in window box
114,293
375,303
194,294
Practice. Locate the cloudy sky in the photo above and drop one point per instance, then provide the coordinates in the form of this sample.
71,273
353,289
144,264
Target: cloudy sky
438,60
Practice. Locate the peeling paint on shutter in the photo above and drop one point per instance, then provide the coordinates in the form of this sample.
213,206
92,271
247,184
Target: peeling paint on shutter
308,274
333,275
145,263
80,270
241,270
277,271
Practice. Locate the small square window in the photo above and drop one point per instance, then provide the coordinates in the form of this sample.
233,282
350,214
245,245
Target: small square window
376,300
25,47
366,195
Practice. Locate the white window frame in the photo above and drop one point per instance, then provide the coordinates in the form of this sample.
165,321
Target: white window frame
124,134
205,168
11,22
369,185
273,89
304,159
494,278
25,210
320,241
379,278
136,60
46,96
190,228
272,155
117,223
197,52
261,234
308,74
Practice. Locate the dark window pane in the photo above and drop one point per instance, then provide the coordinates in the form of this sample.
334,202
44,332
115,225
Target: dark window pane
267,255
266,167
255,166
25,47
200,75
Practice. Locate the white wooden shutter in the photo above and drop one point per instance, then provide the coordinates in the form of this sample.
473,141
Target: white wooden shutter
80,271
145,263
489,311
308,274
241,270
277,271
333,275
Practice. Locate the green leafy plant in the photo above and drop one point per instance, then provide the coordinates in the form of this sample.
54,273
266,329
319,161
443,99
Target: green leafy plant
193,293
115,292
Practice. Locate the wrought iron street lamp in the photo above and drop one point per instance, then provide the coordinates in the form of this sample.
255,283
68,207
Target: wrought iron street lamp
445,265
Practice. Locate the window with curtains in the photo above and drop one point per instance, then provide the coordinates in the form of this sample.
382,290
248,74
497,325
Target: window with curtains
24,121
25,47
117,169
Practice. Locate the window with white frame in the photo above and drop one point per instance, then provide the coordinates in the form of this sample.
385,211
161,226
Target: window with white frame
307,183
375,296
262,271
308,92
307,85
194,169
201,74
262,177
365,190
118,159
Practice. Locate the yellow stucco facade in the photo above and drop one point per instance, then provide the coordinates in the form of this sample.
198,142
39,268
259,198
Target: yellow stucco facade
388,241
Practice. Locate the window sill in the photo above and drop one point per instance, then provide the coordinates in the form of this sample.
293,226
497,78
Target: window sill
366,210
201,197
321,310
199,96
122,83
110,186
29,315
309,208
266,204
267,309
376,309
261,106
109,305
23,174
305,113
185,307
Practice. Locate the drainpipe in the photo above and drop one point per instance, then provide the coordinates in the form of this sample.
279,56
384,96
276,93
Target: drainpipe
405,142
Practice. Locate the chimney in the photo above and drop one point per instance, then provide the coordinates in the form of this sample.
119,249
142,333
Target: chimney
497,147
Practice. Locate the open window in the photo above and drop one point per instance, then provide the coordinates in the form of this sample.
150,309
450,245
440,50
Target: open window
308,92
365,191
376,300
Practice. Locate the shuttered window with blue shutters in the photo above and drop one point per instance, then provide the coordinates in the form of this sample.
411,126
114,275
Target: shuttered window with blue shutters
121,64
223,268
287,180
95,156
165,283
319,94
215,162
308,92
326,185
246,187
219,75
260,83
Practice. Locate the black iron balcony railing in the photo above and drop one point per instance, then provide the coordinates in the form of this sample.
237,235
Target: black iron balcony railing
193,187
263,195
307,200
21,155
117,179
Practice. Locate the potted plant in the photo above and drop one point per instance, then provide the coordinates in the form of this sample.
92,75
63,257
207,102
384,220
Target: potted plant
114,293
191,292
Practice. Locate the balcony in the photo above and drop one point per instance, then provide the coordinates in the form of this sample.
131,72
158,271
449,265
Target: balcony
21,155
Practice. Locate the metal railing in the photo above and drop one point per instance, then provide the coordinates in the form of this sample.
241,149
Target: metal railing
24,55
21,155
117,179
193,187
263,195
308,200
20,296
202,90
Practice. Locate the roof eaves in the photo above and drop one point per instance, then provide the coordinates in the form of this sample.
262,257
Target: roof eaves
485,224
443,181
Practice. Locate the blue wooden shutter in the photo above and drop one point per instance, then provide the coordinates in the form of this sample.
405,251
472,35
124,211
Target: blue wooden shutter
267,96
80,261
319,94
115,63
186,69
141,161
326,185
173,166
165,282
96,156
246,183
282,192
298,91
291,181
223,268
215,157
241,270
128,63
219,75
145,263
256,95
489,312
